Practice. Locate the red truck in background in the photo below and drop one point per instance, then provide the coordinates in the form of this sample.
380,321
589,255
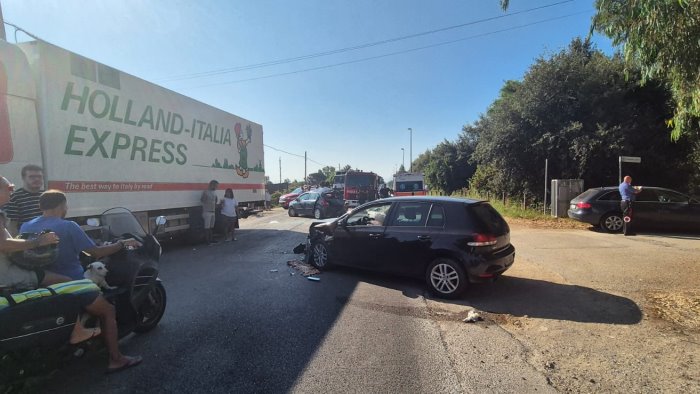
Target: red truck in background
360,187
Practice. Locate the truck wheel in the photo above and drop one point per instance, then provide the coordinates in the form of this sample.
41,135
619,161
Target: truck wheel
292,212
611,222
151,310
446,278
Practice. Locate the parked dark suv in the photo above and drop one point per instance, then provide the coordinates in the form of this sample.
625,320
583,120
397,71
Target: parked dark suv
655,207
319,203
448,242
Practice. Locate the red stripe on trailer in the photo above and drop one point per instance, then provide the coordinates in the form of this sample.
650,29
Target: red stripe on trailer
112,187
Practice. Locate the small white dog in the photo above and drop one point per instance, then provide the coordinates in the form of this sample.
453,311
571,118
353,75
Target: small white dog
96,272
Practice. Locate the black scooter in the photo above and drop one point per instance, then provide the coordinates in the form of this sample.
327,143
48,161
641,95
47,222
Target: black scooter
139,296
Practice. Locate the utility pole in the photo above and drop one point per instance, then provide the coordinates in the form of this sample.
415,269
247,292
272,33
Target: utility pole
403,158
305,167
2,25
546,167
280,169
410,156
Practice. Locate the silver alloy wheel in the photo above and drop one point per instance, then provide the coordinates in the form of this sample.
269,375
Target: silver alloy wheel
613,223
320,255
317,213
444,278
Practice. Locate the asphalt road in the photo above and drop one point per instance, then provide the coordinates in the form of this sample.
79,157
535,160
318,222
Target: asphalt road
233,326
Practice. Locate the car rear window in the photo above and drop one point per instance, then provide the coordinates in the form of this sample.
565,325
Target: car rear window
486,219
610,196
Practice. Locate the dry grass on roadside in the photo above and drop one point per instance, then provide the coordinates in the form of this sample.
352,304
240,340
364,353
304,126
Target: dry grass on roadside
679,308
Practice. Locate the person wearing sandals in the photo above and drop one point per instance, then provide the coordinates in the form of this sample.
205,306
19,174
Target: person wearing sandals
229,206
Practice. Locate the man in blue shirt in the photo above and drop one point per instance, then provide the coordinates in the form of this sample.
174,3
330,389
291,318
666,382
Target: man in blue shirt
628,194
73,241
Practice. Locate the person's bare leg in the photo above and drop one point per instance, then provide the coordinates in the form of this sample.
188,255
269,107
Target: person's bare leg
105,312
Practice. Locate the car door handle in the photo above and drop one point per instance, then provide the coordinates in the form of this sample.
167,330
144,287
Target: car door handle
424,237
375,236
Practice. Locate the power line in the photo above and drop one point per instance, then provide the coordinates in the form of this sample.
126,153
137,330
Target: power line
388,54
352,48
294,154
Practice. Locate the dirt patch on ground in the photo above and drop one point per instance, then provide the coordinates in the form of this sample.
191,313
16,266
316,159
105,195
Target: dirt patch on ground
680,308
555,223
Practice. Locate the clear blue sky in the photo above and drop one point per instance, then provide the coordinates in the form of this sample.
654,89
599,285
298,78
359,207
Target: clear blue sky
355,113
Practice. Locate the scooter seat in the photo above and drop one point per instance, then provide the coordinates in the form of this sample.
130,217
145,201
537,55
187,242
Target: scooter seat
72,287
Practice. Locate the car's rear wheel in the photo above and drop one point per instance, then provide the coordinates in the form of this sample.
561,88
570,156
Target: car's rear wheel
446,278
318,214
292,212
611,222
319,255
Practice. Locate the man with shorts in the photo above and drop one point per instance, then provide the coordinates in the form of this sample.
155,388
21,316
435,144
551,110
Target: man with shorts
73,241
209,201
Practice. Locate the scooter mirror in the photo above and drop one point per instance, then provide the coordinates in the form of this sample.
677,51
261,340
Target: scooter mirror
93,222
161,220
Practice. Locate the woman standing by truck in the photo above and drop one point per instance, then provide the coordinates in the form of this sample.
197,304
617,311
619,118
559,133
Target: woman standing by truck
229,207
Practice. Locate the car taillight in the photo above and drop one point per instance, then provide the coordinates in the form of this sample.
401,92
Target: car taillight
483,240
583,205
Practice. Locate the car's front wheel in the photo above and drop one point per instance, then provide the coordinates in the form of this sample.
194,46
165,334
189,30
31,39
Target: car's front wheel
292,212
318,213
319,255
446,278
611,222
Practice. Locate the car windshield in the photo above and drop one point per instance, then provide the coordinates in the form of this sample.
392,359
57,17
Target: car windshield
119,221
298,190
410,186
359,180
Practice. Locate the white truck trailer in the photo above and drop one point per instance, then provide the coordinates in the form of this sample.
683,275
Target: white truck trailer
108,139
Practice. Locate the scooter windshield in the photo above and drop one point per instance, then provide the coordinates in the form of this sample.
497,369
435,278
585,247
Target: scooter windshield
119,221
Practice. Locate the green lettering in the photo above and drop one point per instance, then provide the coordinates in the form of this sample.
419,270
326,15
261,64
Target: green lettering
207,132
153,150
166,151
181,149
68,95
73,138
147,116
177,119
128,113
118,145
139,145
105,110
227,137
99,141
113,110
161,122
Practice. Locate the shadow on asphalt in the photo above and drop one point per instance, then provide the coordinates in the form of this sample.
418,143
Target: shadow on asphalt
547,300
231,325
521,296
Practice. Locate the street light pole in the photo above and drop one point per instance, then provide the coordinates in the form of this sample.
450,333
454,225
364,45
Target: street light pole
403,158
410,152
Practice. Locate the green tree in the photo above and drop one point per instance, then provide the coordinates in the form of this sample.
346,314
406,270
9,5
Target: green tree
660,37
577,109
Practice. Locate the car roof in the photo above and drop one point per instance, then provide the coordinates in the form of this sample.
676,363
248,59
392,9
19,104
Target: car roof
607,188
451,200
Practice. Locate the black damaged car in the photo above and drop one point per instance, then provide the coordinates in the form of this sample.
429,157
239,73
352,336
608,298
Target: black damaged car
448,242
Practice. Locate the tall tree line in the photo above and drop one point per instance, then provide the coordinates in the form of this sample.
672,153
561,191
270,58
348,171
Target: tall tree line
580,109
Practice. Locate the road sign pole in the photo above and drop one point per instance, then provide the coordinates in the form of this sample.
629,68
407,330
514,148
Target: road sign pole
619,169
